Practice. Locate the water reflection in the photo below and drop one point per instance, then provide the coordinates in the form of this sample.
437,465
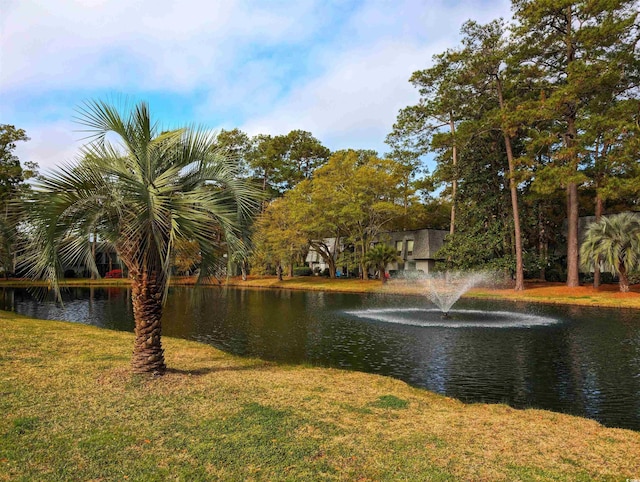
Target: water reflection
586,362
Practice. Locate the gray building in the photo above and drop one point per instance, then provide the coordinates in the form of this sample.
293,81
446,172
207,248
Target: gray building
416,249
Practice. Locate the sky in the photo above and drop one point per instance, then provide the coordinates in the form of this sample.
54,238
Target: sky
338,69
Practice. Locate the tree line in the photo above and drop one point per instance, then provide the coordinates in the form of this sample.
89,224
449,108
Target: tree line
533,122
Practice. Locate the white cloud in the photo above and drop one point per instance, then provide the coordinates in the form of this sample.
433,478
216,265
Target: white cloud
159,44
50,144
354,100
339,70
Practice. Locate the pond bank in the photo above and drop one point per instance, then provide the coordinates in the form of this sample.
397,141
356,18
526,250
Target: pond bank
607,296
67,388
535,292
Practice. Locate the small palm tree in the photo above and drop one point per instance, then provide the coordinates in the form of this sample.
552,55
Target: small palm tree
147,193
379,257
614,240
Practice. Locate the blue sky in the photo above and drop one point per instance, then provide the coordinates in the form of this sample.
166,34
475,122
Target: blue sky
338,69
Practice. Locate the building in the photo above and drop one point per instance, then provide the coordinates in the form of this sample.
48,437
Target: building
417,249
106,260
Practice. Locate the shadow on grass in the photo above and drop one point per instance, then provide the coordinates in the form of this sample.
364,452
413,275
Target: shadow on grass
230,368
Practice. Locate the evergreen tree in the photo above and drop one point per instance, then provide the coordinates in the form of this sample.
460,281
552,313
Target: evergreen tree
442,105
580,51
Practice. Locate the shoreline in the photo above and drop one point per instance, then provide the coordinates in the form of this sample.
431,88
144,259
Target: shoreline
607,296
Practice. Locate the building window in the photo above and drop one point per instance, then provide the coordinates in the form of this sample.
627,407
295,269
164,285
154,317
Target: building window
410,247
399,248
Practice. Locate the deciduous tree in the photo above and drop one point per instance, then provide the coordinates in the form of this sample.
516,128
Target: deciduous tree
12,189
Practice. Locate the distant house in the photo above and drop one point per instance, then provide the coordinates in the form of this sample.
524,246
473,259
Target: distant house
316,262
417,249
106,260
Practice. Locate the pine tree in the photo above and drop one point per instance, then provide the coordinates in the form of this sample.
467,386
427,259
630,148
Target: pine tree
580,50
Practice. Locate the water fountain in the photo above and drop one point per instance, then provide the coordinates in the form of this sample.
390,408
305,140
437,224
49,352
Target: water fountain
444,290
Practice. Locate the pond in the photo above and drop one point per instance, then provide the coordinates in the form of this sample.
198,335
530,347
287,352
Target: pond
576,360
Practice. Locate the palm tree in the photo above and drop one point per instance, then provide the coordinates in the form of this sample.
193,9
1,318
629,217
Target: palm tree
379,257
146,193
615,240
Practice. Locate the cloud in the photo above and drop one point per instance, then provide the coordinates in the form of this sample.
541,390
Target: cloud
355,100
360,87
338,69
50,144
157,44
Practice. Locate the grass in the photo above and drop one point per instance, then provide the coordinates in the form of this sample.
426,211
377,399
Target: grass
103,282
556,293
72,411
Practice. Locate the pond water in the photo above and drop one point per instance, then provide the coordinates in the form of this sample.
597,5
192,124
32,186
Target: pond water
577,360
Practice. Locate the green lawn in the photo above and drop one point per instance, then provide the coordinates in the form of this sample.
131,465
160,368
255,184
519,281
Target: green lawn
72,411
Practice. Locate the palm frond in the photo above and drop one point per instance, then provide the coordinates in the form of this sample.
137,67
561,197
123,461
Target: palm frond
146,193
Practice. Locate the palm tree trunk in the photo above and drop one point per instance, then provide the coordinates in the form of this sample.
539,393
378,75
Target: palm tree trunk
624,278
146,297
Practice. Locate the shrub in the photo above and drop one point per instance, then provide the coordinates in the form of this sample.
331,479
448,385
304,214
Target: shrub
325,272
302,271
555,275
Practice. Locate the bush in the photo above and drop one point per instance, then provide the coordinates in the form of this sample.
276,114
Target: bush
555,275
316,270
302,271
325,272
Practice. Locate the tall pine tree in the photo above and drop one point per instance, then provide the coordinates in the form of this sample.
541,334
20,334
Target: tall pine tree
581,50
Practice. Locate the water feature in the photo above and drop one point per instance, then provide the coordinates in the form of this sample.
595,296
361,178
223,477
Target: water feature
578,360
445,288
461,319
